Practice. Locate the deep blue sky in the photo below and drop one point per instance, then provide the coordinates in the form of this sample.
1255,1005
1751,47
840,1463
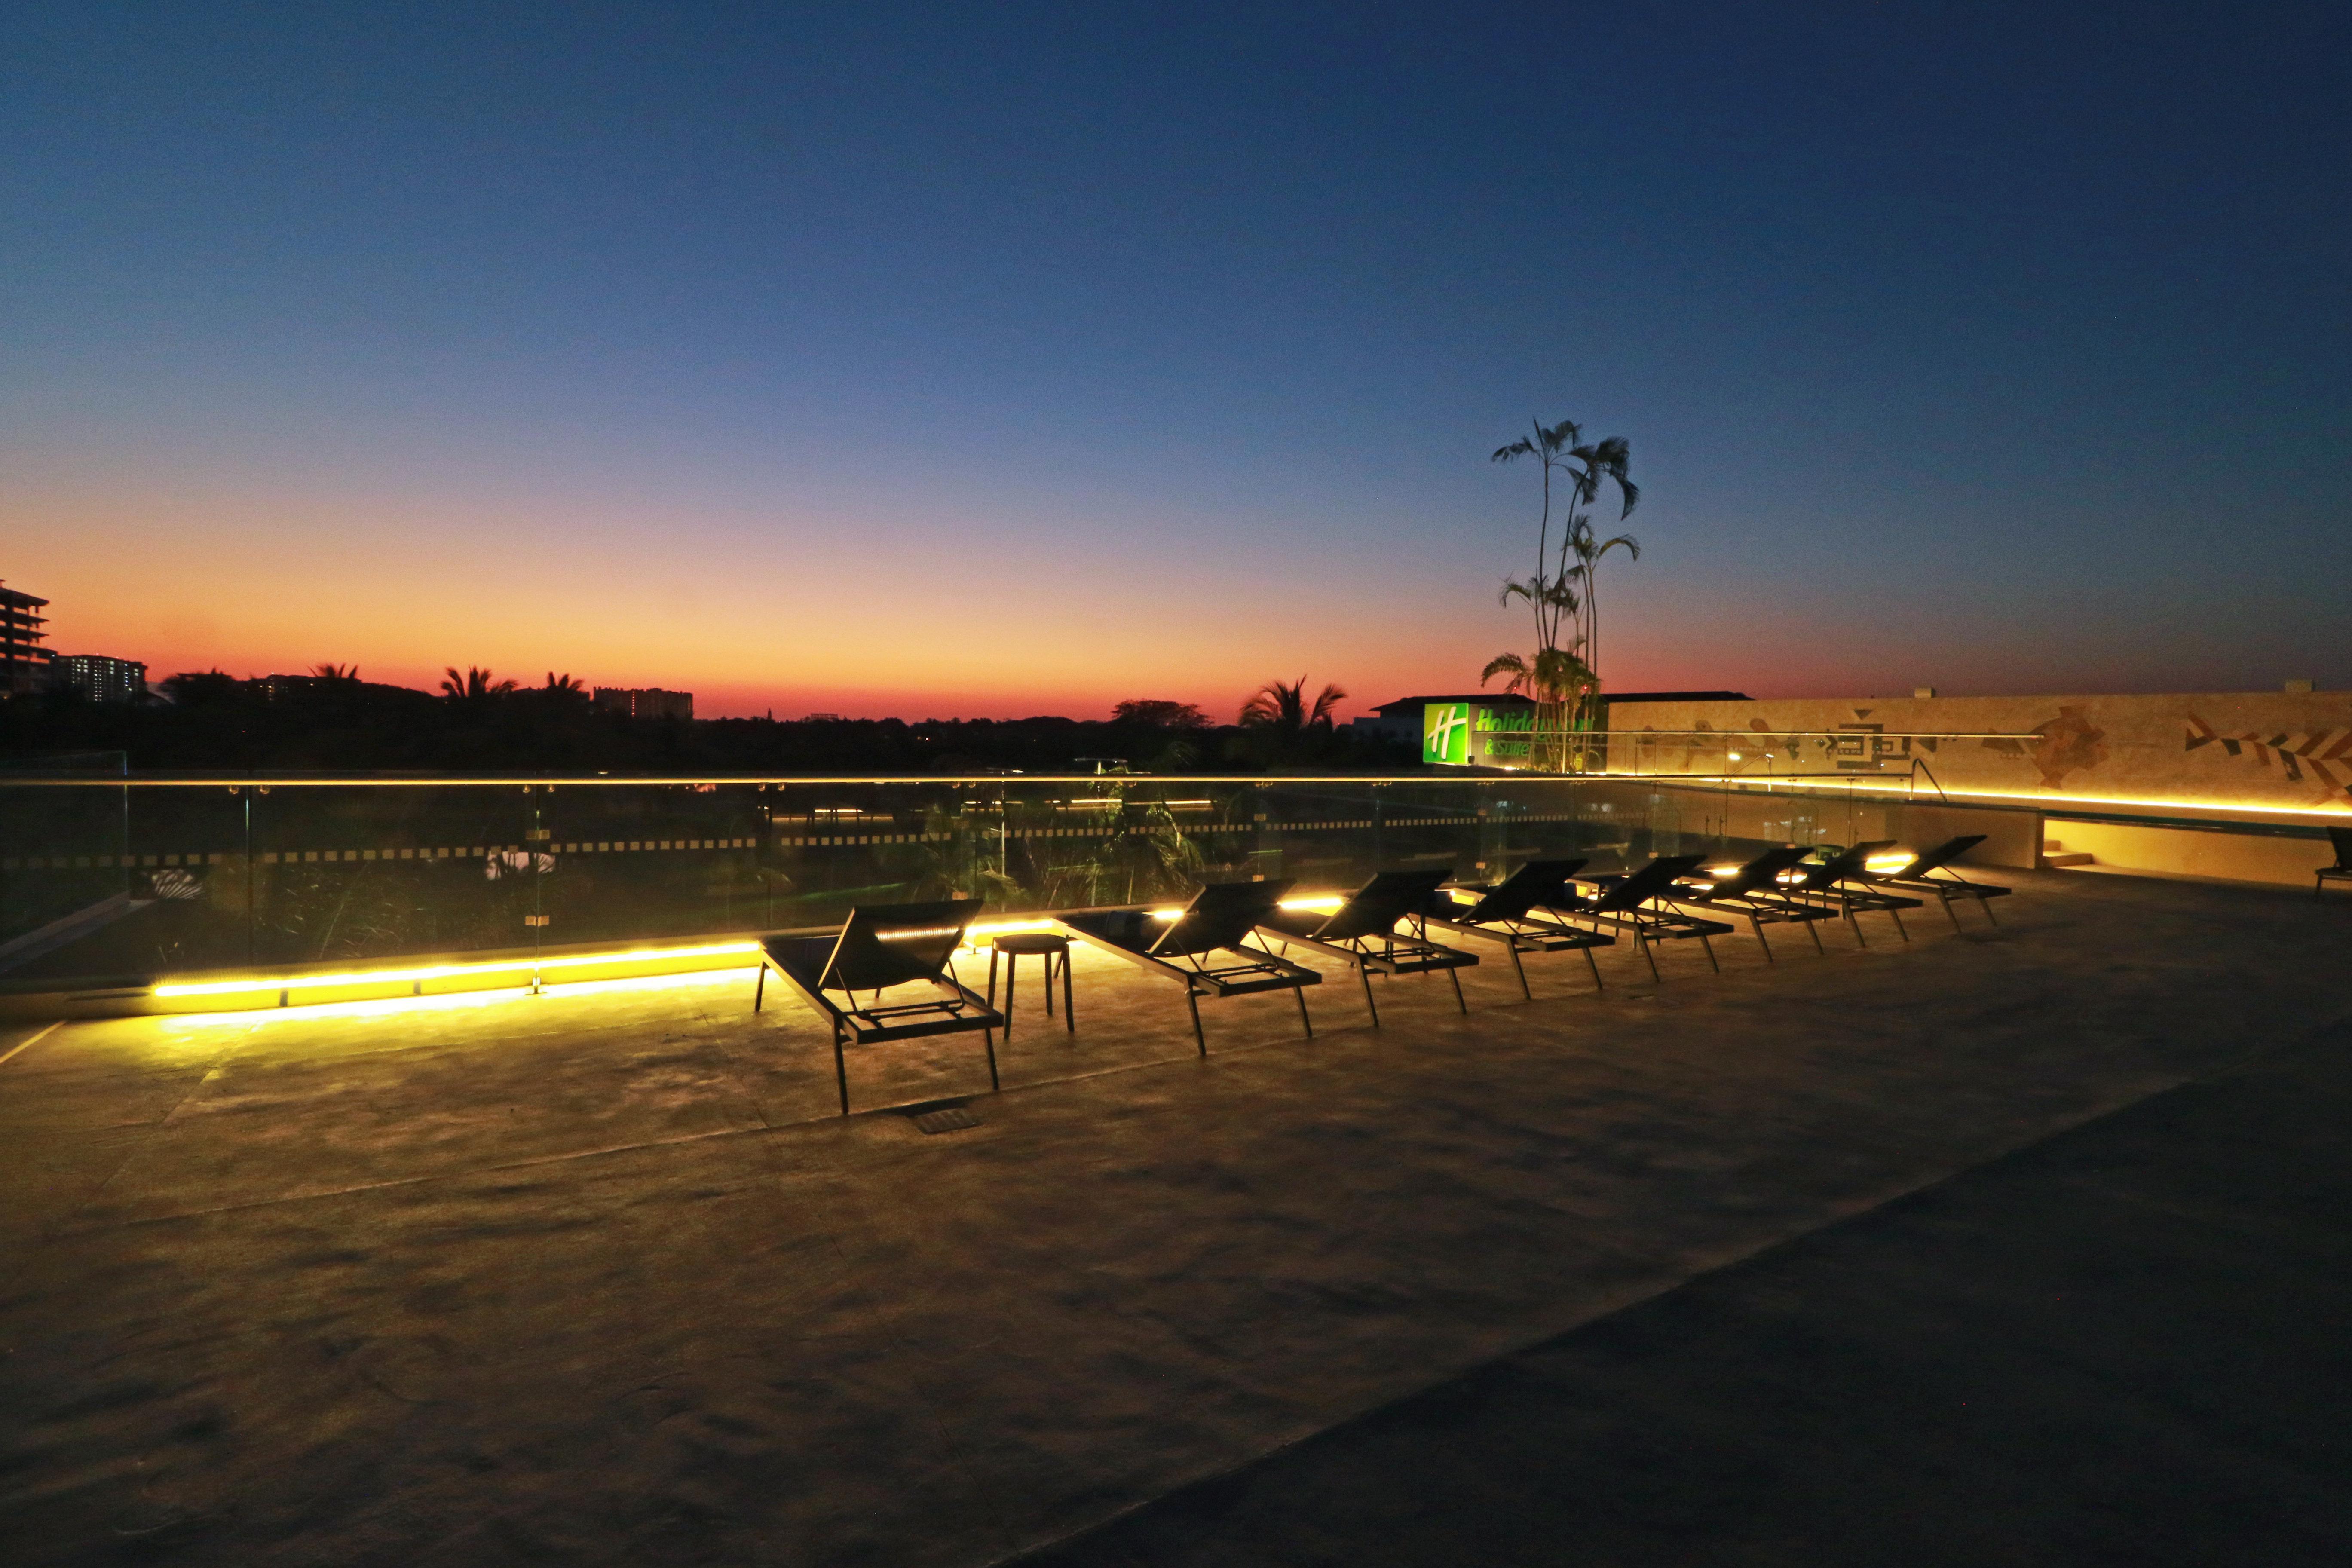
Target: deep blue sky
994,359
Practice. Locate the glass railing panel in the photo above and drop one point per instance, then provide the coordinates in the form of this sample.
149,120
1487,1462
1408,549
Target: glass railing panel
65,856
826,847
171,878
352,873
639,862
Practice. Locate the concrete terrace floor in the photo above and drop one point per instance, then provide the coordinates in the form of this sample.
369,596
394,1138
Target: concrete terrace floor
597,1276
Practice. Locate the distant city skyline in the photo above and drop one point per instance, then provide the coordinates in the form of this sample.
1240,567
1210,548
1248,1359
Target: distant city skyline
914,361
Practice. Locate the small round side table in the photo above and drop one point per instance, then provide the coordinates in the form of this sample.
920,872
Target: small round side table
1019,944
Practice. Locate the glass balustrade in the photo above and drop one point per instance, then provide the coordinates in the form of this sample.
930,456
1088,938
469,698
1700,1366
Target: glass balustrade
111,881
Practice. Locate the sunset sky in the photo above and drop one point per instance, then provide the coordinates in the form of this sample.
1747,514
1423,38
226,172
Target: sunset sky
1013,360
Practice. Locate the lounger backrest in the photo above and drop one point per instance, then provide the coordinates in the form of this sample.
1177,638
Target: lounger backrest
1220,915
1839,866
890,945
2342,839
1658,877
1760,874
1378,904
1941,855
1536,882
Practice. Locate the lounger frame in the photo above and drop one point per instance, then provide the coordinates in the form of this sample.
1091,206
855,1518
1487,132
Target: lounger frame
877,950
1754,893
1220,919
1363,933
1638,903
2339,872
1834,884
1921,877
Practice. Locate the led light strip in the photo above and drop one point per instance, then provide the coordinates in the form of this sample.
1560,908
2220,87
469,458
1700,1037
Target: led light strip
1827,788
455,971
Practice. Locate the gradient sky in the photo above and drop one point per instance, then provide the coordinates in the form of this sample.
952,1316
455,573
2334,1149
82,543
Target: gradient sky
998,360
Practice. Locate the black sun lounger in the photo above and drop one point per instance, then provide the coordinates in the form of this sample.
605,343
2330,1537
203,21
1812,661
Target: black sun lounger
1919,876
1363,932
2339,872
1755,892
1633,903
1502,913
1835,884
1220,918
884,946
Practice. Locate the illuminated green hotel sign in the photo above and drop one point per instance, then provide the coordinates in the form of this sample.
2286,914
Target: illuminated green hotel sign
1445,732
1465,732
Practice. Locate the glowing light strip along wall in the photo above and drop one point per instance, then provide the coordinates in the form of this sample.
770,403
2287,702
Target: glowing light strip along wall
523,968
997,781
1759,783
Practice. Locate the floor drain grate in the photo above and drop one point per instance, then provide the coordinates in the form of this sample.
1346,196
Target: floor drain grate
945,1118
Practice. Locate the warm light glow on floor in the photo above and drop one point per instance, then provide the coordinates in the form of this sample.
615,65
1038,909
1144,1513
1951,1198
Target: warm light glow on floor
499,997
523,966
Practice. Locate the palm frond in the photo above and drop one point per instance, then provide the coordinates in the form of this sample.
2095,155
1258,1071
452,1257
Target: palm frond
1508,664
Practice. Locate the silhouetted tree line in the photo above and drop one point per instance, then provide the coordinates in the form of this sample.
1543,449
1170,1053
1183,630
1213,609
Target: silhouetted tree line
332,721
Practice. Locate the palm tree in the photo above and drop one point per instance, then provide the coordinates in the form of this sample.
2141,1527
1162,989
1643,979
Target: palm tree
474,686
1282,706
332,671
565,684
1558,680
1559,595
1279,725
1547,597
1610,459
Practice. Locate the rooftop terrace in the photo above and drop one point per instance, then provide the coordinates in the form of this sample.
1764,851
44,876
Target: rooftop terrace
597,1274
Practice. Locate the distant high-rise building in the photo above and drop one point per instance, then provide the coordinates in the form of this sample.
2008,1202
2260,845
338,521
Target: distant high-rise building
98,676
23,662
646,703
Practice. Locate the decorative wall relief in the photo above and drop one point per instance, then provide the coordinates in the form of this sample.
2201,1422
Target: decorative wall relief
2070,743
2291,750
2326,754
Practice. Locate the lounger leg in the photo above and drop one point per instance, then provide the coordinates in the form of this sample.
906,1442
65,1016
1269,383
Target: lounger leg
1710,953
1199,1038
1859,940
1012,984
1049,985
1813,929
1455,976
1767,946
991,976
1987,905
1301,992
988,1036
1069,1007
840,1069
1370,1006
1950,913
1898,924
759,991
1593,964
1648,957
1518,968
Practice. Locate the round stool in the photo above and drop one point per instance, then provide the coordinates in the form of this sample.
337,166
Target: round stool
1019,944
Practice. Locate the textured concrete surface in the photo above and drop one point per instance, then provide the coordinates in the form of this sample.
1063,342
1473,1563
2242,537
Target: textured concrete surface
2130,1343
596,1276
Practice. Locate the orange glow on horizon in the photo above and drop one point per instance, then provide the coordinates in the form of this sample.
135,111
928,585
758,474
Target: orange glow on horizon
811,614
